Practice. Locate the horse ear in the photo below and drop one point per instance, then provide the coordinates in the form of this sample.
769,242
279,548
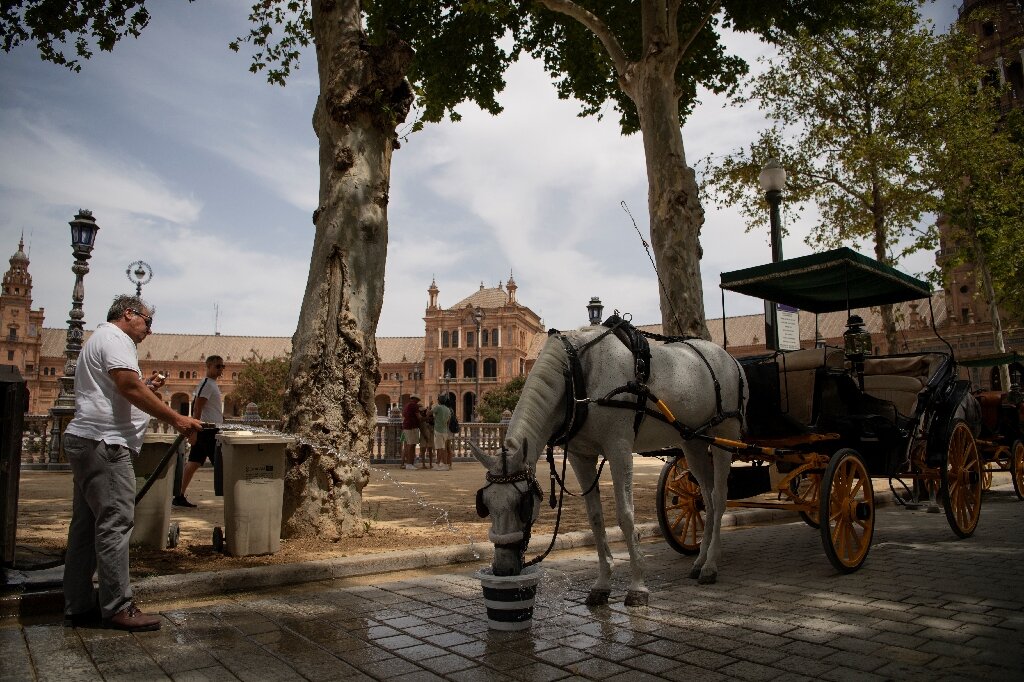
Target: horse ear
488,461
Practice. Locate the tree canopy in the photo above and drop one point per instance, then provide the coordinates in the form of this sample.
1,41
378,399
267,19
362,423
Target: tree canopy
263,381
504,398
861,119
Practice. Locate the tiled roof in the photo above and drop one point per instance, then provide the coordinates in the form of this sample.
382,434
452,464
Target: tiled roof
395,349
185,347
485,298
743,329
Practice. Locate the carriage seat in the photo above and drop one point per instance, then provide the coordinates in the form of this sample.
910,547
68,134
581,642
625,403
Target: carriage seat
901,391
797,371
899,380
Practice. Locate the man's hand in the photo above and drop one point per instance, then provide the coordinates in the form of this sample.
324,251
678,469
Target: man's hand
135,391
156,382
188,426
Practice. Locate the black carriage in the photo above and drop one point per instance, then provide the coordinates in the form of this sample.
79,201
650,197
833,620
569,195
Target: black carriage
822,422
1001,436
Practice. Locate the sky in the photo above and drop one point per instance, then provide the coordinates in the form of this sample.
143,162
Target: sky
208,174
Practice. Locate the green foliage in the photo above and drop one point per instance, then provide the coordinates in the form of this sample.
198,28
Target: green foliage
88,23
859,118
262,381
501,399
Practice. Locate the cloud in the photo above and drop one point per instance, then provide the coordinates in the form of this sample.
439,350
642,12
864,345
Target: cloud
61,169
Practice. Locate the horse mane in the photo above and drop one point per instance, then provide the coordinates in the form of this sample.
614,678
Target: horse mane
539,403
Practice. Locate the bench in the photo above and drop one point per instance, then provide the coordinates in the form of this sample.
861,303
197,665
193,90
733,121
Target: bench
797,371
900,380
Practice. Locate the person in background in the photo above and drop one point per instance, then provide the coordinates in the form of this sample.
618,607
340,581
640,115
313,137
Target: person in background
112,411
410,431
427,436
207,406
441,435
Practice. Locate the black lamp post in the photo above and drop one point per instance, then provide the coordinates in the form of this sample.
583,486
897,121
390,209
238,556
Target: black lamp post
83,239
594,310
399,391
478,316
447,390
773,180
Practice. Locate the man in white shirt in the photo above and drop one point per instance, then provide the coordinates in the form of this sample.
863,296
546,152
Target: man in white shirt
207,406
112,412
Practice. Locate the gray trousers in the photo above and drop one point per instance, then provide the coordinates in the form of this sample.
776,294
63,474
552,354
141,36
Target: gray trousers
102,518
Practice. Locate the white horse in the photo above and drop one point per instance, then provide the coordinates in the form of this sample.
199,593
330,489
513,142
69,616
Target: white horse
680,378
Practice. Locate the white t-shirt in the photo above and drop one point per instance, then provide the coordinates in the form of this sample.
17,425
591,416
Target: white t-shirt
101,412
213,410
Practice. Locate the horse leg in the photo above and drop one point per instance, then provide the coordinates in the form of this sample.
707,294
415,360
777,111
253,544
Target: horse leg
715,499
699,463
622,481
586,474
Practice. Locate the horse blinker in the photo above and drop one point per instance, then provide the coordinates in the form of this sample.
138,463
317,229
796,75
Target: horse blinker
481,507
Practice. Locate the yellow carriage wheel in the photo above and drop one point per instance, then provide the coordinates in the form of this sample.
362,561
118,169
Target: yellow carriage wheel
961,480
846,511
1017,468
680,507
805,489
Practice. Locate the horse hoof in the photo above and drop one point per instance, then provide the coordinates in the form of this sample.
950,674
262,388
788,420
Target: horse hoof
694,573
598,597
707,579
637,598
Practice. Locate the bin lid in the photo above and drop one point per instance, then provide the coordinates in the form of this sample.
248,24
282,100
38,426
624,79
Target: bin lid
152,437
254,438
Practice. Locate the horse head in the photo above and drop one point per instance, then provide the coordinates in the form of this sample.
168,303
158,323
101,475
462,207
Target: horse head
512,499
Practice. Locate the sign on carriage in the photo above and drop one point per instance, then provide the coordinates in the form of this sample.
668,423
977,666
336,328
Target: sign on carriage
788,320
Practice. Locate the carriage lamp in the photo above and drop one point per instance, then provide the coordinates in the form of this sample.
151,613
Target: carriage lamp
857,345
594,310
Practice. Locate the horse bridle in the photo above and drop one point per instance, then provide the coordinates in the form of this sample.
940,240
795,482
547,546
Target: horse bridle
526,506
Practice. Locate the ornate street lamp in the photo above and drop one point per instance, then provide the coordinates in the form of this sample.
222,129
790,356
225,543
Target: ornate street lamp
139,273
399,391
83,239
447,390
773,180
478,316
594,310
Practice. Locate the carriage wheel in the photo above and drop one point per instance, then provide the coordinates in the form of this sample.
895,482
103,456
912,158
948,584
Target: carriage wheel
1017,468
961,480
680,507
847,511
806,488
986,475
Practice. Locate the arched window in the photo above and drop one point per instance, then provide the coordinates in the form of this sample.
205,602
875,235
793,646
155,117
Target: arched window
490,368
484,337
444,339
181,375
469,368
451,368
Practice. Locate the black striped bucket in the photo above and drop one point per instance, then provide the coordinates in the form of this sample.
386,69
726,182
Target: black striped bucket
509,598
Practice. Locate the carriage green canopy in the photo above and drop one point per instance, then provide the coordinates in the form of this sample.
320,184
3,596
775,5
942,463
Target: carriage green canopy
992,359
839,279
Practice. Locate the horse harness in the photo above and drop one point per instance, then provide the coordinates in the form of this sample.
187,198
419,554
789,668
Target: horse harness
636,341
525,508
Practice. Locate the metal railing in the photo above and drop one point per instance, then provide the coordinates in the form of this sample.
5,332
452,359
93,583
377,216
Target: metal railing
385,448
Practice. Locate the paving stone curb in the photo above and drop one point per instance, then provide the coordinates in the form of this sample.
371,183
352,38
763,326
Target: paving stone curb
214,583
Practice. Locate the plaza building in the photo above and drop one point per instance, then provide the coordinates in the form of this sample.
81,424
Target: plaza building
480,342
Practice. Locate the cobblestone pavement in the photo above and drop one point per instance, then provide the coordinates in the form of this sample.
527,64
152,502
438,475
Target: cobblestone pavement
925,606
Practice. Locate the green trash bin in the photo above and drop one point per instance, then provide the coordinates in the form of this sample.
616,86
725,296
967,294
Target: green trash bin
253,470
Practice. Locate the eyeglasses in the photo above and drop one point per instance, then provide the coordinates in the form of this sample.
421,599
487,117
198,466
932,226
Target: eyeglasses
148,319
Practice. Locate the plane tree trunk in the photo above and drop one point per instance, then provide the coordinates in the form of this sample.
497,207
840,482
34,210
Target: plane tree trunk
329,404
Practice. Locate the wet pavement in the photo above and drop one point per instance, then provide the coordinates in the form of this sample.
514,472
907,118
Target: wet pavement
925,606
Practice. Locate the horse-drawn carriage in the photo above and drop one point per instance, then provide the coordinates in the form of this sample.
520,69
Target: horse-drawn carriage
1001,437
821,423
825,421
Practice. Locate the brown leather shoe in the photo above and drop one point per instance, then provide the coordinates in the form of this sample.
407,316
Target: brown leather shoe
132,620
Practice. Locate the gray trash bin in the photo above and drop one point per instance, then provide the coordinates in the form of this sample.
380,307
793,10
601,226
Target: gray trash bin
153,512
254,467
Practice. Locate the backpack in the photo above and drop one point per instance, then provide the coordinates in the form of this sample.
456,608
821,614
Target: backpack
453,424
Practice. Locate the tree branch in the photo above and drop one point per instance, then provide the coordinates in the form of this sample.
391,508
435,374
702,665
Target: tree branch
712,8
596,26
